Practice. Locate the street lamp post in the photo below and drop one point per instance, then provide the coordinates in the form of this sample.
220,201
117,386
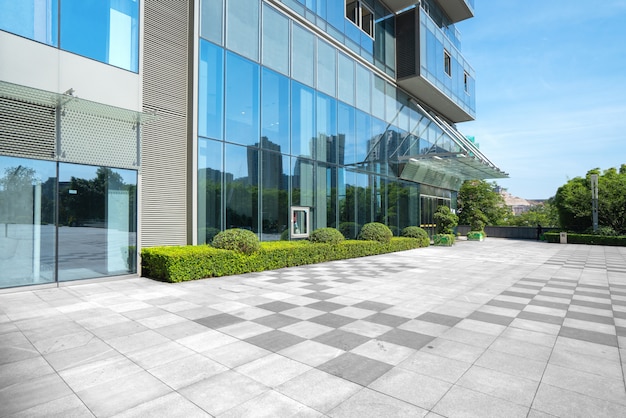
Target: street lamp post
594,201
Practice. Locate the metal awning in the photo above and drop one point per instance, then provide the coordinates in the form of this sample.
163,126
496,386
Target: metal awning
69,102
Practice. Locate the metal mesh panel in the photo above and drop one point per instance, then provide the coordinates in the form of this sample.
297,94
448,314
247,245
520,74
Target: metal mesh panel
95,140
407,44
26,129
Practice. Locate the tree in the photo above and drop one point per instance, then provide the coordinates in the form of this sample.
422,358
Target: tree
445,219
478,196
573,201
544,215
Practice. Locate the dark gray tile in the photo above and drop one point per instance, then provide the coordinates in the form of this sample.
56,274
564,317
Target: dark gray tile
279,281
593,286
349,281
518,294
558,286
589,336
276,320
325,306
332,320
274,340
314,281
355,368
320,295
342,340
528,286
219,320
404,338
595,305
533,316
386,319
440,319
507,305
555,295
619,302
548,304
620,315
590,317
372,306
534,280
491,318
621,331
592,294
316,287
277,306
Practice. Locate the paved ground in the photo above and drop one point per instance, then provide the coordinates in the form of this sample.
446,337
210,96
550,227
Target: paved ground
500,328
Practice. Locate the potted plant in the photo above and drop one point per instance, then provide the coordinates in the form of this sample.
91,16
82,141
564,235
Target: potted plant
445,221
478,220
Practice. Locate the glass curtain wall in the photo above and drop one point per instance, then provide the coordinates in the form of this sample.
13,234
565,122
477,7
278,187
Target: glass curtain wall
61,221
297,123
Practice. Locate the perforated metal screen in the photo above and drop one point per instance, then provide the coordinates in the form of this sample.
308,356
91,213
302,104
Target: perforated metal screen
26,129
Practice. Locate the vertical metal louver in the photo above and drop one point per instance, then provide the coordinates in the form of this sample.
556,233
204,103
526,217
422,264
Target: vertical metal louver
26,129
407,41
165,141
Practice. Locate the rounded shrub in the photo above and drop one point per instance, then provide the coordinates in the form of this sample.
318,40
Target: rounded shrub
236,239
375,231
327,236
350,230
414,232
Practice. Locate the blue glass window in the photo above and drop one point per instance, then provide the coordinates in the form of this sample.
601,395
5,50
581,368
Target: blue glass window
33,19
363,135
241,182
275,40
211,20
345,74
346,136
275,195
242,27
106,30
363,88
274,111
303,56
302,120
326,68
210,90
326,128
242,100
209,189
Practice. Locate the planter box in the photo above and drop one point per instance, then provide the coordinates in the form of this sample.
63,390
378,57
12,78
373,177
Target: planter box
445,240
475,236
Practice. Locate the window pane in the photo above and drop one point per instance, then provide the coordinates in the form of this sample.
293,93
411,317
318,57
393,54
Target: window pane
241,181
303,56
242,26
363,88
33,19
274,111
27,231
363,135
302,183
107,31
326,129
345,73
326,67
378,97
242,100
209,189
275,40
346,135
302,120
97,221
275,195
210,90
211,20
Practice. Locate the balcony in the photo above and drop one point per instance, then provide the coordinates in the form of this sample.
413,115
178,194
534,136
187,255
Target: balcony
456,10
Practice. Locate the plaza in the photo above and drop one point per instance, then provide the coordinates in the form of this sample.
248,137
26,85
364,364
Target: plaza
500,328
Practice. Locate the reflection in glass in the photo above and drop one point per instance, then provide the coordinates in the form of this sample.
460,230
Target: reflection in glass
210,90
242,27
345,74
107,31
326,68
27,232
242,100
303,56
211,20
241,187
97,221
209,189
302,120
346,134
275,196
302,183
32,19
275,110
275,40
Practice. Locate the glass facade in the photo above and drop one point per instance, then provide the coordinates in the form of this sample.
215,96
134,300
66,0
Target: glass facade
303,125
61,221
105,30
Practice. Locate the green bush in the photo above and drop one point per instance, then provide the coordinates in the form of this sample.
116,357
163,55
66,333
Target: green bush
350,230
476,235
417,232
445,240
375,231
177,264
242,240
589,239
326,235
445,220
478,220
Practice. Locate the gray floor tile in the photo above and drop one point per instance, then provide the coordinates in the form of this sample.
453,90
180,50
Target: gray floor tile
276,320
462,402
442,368
512,364
500,385
564,403
386,319
186,371
270,404
440,319
19,396
533,316
406,338
600,387
68,406
277,306
372,305
384,351
219,320
342,340
325,306
491,318
332,320
590,336
355,368
274,340
414,388
170,405
273,369
368,403
311,352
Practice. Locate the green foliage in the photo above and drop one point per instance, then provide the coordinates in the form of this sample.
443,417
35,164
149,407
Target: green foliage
573,201
375,231
589,239
418,233
445,220
478,220
350,230
445,240
543,214
177,264
478,195
476,235
326,235
241,240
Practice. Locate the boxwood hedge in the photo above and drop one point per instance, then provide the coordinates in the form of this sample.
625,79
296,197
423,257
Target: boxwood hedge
589,239
178,264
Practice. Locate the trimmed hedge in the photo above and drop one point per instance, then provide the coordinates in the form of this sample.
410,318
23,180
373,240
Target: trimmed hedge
178,264
417,232
588,239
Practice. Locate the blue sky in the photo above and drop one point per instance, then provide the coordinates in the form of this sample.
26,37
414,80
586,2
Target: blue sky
550,88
